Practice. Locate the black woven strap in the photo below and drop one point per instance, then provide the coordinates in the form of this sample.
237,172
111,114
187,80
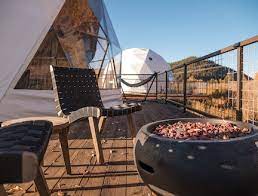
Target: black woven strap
143,82
74,88
22,148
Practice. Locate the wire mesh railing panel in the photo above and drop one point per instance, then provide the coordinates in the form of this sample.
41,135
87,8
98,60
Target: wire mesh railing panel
175,85
230,61
250,83
211,84
161,85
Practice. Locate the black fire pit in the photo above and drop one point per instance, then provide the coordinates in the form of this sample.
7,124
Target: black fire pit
198,167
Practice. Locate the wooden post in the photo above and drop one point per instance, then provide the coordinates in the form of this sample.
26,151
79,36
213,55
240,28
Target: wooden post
94,128
239,115
184,86
166,96
54,49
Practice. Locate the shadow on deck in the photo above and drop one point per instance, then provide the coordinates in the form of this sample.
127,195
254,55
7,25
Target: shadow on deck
118,176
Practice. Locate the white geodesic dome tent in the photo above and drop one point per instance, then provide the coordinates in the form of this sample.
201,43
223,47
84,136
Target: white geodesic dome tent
35,34
137,61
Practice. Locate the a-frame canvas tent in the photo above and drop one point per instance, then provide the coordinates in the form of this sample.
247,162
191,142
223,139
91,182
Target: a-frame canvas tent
36,34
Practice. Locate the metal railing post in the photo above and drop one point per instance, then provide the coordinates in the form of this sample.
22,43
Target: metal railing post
166,95
184,86
157,86
239,114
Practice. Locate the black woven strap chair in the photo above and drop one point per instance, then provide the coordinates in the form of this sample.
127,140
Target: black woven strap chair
22,148
77,96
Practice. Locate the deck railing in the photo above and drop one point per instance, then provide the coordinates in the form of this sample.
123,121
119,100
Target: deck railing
221,84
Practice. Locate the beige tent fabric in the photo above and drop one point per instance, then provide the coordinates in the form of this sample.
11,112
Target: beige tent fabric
26,103
23,26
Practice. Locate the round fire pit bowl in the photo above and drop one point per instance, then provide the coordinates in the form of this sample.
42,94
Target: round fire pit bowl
198,167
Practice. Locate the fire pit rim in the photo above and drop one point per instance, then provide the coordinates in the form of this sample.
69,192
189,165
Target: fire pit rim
149,128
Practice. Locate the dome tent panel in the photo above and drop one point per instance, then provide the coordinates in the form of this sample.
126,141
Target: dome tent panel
136,63
107,79
76,28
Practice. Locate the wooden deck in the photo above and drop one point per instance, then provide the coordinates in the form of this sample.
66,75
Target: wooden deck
118,176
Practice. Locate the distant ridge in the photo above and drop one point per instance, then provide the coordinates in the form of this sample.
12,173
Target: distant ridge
219,72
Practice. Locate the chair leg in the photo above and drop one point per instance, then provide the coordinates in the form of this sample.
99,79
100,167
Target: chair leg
42,162
41,183
96,138
2,190
102,122
131,125
63,138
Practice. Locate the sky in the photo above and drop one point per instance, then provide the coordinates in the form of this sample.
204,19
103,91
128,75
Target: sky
176,29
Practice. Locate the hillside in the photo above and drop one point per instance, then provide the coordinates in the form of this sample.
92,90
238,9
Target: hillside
180,62
205,70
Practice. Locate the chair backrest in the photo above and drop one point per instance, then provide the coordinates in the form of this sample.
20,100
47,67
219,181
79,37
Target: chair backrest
75,88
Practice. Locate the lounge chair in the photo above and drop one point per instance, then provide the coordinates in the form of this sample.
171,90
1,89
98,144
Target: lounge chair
77,96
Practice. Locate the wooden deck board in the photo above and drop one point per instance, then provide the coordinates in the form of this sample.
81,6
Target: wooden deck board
117,176
114,183
92,182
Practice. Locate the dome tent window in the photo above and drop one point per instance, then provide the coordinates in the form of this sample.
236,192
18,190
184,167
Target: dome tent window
91,44
37,75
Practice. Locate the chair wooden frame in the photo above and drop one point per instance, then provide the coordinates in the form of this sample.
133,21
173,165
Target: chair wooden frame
97,126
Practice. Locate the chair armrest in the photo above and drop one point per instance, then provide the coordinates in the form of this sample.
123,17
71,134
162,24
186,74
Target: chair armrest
18,167
85,113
